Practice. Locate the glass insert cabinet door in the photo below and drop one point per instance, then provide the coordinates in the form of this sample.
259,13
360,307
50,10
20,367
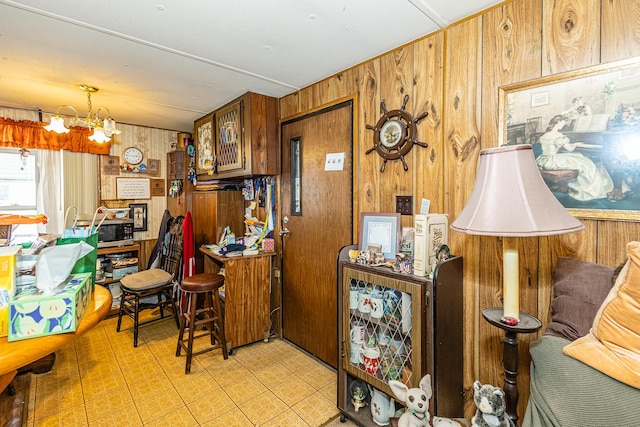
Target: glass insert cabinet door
229,137
381,328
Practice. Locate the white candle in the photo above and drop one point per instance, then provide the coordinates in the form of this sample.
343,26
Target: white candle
510,290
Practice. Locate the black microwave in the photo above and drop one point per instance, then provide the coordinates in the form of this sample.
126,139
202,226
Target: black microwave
113,232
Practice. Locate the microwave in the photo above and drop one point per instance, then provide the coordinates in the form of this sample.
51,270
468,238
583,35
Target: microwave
113,232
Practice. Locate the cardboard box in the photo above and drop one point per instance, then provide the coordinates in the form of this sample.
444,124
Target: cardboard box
9,268
33,314
4,312
8,277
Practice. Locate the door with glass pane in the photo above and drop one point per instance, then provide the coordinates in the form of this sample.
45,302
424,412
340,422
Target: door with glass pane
316,211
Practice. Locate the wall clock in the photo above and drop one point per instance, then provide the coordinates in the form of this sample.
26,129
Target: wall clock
395,134
133,155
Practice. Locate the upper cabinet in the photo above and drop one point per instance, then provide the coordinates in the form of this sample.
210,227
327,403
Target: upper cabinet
239,139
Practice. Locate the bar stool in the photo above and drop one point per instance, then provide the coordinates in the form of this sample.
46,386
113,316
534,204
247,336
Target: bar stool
207,286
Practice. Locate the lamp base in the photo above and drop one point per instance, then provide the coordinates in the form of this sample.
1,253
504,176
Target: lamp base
510,358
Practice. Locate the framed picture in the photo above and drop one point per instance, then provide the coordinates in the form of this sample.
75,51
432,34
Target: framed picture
133,188
138,212
584,126
380,229
205,145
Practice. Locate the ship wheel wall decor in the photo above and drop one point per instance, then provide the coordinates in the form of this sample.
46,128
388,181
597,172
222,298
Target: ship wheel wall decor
395,134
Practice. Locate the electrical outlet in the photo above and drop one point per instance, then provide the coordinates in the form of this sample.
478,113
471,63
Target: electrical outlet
404,205
276,273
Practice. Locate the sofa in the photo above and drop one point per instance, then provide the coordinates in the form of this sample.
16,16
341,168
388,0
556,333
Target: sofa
585,370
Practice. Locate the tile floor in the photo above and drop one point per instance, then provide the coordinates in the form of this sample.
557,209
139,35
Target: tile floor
102,380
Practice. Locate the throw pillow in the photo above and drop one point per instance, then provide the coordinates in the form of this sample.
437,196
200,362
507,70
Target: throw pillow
579,289
612,346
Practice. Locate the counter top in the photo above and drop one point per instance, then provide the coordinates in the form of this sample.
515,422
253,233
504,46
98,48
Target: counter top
223,258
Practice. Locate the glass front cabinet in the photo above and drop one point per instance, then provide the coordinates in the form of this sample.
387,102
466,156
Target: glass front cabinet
395,326
239,139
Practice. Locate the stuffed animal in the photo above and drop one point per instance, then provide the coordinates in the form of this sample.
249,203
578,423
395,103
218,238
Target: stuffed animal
491,405
416,400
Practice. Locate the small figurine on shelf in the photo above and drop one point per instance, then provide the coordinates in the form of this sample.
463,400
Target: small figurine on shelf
358,391
403,261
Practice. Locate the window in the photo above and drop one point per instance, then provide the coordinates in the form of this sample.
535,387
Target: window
18,185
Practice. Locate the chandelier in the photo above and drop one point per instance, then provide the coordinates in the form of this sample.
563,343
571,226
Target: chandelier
103,129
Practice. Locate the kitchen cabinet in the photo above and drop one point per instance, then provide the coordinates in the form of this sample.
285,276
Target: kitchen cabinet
176,166
177,163
247,292
240,139
414,326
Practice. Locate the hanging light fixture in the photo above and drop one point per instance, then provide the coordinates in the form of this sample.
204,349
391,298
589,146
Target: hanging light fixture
103,129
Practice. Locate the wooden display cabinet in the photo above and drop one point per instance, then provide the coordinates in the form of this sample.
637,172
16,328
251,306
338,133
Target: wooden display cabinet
241,138
177,163
417,331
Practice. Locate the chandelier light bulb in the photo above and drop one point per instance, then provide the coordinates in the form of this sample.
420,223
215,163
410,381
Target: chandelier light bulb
109,127
57,125
99,136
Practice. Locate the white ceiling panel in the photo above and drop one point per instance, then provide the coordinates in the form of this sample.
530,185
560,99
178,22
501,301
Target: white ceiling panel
167,62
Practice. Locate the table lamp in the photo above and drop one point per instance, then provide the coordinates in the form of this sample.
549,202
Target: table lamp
510,199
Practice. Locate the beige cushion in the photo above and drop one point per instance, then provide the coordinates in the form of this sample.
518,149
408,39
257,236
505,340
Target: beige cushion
146,279
612,346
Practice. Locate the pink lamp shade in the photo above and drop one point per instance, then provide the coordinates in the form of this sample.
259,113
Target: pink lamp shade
510,198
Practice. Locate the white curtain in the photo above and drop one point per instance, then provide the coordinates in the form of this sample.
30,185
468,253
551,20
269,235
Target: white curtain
49,192
80,177
65,179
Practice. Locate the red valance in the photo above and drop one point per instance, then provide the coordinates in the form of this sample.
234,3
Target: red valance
28,134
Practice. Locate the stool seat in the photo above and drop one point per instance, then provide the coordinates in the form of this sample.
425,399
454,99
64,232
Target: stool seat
202,287
204,282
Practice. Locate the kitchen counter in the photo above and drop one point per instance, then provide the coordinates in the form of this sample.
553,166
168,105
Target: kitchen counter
247,295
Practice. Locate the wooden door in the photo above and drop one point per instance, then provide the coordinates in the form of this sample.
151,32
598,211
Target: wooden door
317,207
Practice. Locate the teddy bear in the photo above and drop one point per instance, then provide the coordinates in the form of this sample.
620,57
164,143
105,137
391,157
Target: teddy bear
491,407
416,400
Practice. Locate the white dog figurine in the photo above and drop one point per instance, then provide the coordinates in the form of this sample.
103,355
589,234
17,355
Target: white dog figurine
416,400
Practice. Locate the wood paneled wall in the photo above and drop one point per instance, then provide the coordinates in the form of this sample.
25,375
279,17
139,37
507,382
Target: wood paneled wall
455,75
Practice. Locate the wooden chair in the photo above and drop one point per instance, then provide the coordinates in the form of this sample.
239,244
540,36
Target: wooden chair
154,288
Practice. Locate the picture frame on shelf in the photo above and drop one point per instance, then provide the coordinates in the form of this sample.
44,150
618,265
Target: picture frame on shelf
138,212
583,126
380,229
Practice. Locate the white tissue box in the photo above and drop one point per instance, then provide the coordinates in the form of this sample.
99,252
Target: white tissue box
33,314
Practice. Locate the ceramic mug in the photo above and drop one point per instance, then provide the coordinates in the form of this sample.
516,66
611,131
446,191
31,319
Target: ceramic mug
354,298
377,306
355,352
357,333
364,301
397,347
383,339
370,358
